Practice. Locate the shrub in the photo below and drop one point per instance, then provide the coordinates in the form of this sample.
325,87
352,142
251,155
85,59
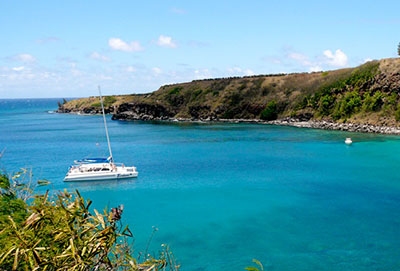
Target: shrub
347,105
109,100
270,112
326,103
375,102
397,114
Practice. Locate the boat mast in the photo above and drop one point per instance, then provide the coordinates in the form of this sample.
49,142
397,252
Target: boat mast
105,125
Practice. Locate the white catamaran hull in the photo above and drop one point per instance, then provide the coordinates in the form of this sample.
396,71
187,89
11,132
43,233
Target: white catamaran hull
96,172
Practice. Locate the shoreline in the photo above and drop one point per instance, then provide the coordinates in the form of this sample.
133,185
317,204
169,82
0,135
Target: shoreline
312,124
294,122
347,127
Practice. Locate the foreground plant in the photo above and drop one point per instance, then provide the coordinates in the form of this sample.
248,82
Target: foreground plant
60,233
258,267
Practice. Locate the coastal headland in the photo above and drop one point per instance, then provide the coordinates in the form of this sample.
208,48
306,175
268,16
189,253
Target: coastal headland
365,98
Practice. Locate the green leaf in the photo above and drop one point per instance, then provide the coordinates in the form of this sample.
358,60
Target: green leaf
15,264
127,232
252,268
43,182
8,253
100,218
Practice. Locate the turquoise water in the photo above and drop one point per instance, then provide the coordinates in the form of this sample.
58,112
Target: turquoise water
223,194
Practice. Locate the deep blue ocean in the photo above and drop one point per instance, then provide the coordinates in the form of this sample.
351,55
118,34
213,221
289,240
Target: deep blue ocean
221,195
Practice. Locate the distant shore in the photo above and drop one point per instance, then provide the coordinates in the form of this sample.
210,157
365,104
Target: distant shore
314,124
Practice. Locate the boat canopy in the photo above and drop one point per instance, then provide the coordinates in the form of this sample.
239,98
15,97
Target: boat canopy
94,160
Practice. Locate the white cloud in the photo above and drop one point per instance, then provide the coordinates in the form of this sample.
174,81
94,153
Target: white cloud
105,77
303,59
337,59
166,41
315,68
97,56
157,70
248,72
202,74
130,69
240,72
297,56
18,69
26,58
234,70
120,45
76,72
276,60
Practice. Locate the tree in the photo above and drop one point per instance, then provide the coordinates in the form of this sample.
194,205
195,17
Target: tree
398,49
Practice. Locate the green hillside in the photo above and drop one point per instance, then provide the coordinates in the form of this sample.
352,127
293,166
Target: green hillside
368,93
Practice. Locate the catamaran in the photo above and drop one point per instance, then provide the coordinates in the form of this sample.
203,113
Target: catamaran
102,168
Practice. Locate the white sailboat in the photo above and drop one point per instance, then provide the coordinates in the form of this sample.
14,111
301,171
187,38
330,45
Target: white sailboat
98,169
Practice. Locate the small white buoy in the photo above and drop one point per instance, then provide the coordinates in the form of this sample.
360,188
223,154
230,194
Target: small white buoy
348,141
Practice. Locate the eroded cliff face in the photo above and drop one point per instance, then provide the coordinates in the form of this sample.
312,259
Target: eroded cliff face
386,83
368,94
142,111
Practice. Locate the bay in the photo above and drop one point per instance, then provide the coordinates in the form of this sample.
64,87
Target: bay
222,194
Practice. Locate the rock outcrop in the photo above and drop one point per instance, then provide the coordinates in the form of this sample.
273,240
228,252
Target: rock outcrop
329,125
142,111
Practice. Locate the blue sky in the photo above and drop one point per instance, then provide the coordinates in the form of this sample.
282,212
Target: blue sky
67,48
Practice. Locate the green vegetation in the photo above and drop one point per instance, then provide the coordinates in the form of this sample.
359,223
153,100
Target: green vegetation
397,114
346,105
60,232
11,200
342,97
270,112
367,93
107,101
174,96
